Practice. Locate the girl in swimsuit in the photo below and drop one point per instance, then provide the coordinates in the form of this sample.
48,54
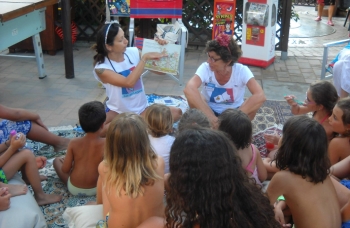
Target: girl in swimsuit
339,147
238,126
321,98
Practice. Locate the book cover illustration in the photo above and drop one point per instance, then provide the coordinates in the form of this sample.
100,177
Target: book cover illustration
167,64
119,7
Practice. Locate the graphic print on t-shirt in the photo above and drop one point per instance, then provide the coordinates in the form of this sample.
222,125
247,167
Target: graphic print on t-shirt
222,95
127,92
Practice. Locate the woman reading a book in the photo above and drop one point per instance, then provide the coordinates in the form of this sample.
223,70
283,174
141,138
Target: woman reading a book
119,69
223,82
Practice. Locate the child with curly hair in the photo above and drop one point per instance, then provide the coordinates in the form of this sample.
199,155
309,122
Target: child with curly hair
238,126
130,185
303,178
160,123
209,188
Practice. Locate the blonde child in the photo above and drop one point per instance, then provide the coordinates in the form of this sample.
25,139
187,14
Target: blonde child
303,180
160,123
84,152
238,126
130,185
339,147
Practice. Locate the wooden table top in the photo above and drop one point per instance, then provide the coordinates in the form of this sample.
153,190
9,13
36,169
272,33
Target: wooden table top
10,9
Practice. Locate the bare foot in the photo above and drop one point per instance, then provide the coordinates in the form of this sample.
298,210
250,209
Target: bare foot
41,162
62,145
44,199
15,189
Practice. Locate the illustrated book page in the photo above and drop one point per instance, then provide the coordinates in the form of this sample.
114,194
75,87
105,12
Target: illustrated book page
167,64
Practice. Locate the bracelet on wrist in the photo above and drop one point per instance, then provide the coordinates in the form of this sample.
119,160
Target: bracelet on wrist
6,144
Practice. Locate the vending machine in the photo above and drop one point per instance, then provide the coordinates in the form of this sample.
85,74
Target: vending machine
224,17
259,32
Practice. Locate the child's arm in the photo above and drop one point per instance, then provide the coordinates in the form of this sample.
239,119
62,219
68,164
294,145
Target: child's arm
270,165
279,207
15,144
345,212
262,172
100,196
335,148
295,108
341,169
276,187
16,114
68,160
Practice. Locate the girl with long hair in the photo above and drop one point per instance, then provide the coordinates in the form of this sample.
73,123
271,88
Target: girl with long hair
130,185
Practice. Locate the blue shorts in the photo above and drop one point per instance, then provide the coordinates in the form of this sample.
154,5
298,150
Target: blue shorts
345,224
20,126
346,183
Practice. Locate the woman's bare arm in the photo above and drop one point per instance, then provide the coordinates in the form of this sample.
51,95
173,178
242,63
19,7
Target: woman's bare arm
254,102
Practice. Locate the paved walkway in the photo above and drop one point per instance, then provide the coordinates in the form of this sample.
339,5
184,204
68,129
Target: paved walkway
57,99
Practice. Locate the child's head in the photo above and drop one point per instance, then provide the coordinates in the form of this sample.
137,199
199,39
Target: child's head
238,126
207,184
193,117
92,115
322,93
304,149
340,119
159,120
128,155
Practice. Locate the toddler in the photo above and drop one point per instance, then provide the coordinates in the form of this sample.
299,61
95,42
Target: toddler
160,123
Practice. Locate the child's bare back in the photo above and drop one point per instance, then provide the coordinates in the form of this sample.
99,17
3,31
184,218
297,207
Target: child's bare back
86,153
311,205
128,212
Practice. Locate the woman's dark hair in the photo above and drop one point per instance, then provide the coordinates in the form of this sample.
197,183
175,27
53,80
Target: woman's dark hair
193,117
229,54
238,126
209,187
100,46
324,93
304,149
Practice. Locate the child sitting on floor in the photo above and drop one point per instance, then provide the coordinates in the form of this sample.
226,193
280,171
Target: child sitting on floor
160,123
78,169
339,147
303,180
12,160
208,188
130,185
191,118
238,126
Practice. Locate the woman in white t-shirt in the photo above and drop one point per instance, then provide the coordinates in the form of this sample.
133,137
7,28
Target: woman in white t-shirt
119,69
223,82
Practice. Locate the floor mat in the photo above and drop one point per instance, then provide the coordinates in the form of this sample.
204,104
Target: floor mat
271,115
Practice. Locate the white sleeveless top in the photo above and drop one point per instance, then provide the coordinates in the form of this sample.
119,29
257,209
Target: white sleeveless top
122,99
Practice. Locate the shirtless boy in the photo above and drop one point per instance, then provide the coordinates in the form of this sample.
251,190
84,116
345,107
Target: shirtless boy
79,169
